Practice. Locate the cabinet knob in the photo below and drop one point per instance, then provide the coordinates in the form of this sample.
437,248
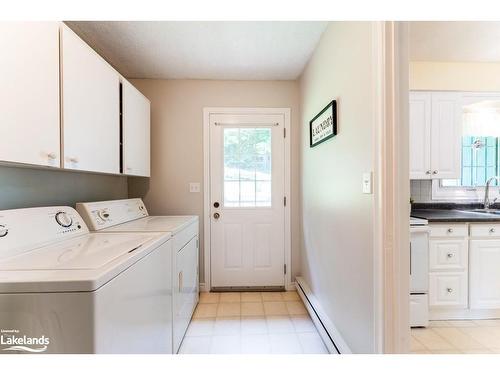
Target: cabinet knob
52,155
449,255
492,230
450,230
73,160
434,172
428,172
449,290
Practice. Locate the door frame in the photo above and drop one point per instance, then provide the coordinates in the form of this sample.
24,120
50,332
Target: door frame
207,111
392,187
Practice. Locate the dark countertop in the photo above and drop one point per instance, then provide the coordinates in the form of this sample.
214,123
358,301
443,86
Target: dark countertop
450,215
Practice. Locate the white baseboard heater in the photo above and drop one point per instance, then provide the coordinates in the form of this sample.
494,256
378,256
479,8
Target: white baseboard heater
327,330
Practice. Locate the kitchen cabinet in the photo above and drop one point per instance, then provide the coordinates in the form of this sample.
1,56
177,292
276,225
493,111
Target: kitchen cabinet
29,93
420,134
136,131
448,265
446,135
484,273
435,135
90,108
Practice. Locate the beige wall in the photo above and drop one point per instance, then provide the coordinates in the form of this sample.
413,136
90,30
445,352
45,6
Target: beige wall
454,76
26,187
177,141
337,249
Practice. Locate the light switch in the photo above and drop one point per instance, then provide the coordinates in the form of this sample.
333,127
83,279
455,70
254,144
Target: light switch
194,187
367,183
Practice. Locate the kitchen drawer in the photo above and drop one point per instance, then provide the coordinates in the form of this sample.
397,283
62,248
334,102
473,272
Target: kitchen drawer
448,255
448,230
485,230
447,289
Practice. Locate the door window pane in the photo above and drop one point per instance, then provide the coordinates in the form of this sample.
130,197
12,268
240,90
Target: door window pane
247,167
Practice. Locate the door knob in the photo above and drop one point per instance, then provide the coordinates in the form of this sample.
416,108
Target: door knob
216,215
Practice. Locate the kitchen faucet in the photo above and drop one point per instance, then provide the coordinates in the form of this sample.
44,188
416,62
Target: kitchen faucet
487,202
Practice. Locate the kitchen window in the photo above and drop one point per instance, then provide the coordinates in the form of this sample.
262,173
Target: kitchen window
480,158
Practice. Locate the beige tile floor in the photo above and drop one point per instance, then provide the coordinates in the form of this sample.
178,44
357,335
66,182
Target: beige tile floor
457,337
251,323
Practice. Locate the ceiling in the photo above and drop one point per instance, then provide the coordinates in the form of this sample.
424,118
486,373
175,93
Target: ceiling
204,50
455,41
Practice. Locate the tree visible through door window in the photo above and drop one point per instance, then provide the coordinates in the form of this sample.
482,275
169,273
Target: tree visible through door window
247,167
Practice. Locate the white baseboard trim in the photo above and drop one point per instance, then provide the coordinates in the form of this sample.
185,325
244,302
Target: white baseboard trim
291,286
327,330
203,288
451,313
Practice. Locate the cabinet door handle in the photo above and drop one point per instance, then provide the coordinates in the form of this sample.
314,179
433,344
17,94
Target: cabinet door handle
450,230
434,172
52,155
449,255
492,230
180,282
449,290
428,172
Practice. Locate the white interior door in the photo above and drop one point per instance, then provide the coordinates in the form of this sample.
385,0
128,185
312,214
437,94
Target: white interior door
247,173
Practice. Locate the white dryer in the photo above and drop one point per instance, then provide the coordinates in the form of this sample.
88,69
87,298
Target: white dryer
131,216
65,290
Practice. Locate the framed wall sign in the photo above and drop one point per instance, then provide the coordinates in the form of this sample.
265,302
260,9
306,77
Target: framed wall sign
324,125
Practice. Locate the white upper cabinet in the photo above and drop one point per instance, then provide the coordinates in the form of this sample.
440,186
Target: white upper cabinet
446,134
136,131
90,108
29,93
435,135
420,135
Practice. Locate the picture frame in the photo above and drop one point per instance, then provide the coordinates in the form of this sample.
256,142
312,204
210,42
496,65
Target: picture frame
324,125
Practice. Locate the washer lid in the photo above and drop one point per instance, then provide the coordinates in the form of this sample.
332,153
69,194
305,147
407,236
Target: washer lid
86,252
171,224
81,264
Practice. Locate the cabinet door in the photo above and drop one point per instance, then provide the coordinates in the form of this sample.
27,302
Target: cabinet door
136,131
484,275
29,93
91,118
446,135
420,135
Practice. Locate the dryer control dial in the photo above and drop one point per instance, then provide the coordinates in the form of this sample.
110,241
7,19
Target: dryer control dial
63,219
3,230
103,215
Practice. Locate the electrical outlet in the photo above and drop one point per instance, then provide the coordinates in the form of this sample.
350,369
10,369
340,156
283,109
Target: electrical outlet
194,187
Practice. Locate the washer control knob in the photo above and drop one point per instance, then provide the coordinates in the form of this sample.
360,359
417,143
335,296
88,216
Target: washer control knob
63,219
3,231
103,215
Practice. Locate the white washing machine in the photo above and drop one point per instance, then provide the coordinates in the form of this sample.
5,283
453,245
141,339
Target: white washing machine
65,290
131,216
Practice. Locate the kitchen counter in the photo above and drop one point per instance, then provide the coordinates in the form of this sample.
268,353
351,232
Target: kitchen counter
444,215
